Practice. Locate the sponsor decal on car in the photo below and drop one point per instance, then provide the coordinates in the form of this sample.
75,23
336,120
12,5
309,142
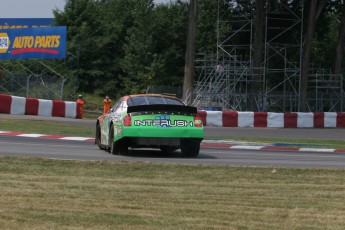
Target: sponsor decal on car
163,121
119,131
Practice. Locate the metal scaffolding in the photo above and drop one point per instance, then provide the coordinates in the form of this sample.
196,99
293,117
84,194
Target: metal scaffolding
227,77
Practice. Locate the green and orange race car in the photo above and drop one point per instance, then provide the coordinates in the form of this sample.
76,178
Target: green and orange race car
150,121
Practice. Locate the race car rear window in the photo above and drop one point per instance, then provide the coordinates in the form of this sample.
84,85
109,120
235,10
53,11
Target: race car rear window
152,100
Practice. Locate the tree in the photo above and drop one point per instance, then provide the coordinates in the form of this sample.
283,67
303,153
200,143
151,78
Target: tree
207,26
258,51
95,37
139,49
169,37
337,69
190,50
315,9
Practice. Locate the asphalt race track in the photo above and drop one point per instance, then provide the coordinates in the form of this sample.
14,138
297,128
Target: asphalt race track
305,133
87,150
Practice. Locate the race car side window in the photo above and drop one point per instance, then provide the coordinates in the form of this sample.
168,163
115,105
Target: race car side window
124,106
117,104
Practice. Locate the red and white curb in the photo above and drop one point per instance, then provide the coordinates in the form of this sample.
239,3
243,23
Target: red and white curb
262,146
228,144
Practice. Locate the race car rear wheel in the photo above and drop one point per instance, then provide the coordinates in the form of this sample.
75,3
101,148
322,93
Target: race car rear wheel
113,146
98,138
117,147
190,147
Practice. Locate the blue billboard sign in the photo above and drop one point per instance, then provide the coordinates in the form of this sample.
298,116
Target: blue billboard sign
24,23
33,43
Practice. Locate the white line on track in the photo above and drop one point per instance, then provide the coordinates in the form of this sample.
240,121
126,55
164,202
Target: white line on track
316,150
246,147
30,135
44,145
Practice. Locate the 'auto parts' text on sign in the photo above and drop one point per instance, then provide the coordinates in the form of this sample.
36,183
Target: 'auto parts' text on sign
35,43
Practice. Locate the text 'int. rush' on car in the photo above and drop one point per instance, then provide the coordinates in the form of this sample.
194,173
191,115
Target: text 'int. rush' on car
150,121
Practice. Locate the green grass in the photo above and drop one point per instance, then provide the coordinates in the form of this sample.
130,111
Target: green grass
52,194
46,127
58,194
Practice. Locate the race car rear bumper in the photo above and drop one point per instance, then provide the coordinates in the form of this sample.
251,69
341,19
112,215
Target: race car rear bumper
171,132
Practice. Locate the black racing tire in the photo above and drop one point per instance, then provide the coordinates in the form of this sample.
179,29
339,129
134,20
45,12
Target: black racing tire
98,138
122,147
168,149
190,147
113,146
116,147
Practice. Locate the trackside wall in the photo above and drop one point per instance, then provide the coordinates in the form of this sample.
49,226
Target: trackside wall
56,108
273,120
39,107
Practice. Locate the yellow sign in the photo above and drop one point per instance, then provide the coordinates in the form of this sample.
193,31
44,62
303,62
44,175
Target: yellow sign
4,42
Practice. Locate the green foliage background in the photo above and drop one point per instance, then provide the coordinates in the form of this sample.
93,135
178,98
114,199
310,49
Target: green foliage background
117,47
122,46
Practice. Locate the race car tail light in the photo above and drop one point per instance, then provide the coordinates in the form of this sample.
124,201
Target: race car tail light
197,121
127,120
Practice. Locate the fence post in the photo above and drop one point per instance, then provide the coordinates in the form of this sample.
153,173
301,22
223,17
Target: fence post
27,85
62,88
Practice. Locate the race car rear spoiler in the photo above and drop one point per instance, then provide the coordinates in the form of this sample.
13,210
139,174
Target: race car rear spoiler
162,108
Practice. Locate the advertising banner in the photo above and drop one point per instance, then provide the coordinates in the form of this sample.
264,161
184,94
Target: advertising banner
33,43
24,23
